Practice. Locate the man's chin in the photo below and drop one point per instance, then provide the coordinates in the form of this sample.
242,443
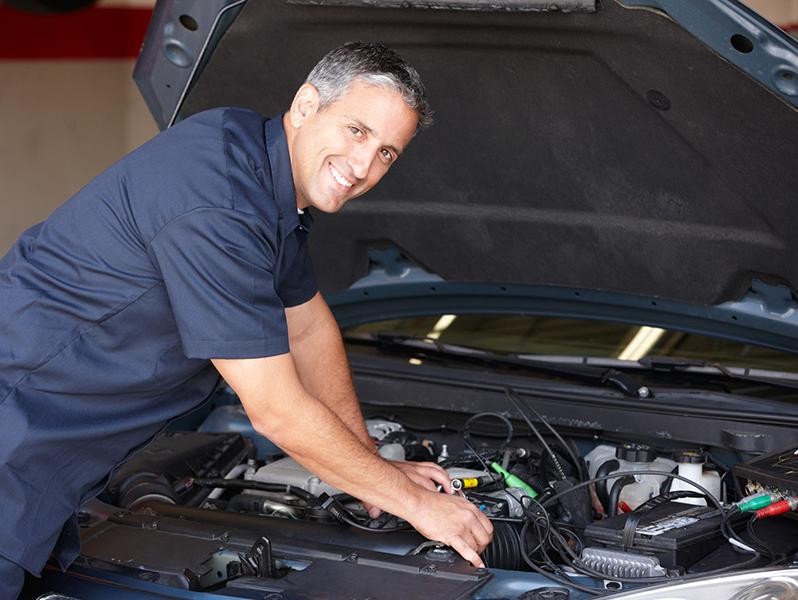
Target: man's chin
330,205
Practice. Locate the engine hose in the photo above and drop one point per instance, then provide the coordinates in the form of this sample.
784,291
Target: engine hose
665,486
615,494
248,484
606,468
258,504
504,552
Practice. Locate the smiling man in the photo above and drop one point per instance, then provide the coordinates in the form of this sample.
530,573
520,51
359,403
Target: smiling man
187,259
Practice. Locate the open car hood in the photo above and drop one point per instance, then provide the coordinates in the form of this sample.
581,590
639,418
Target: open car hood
630,146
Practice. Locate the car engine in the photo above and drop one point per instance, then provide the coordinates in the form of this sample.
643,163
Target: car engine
622,513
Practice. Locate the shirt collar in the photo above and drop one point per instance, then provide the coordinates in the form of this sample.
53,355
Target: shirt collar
282,177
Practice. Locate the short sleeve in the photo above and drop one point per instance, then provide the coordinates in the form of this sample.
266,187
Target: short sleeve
297,283
218,269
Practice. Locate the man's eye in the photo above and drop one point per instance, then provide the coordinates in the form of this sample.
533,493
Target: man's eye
387,155
355,131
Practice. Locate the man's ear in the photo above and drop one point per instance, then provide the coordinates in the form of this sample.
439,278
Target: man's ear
304,105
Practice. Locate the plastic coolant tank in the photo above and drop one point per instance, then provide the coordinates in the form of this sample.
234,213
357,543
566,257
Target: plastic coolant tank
692,466
646,486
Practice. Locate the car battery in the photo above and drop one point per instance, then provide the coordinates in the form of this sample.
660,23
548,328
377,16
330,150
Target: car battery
677,534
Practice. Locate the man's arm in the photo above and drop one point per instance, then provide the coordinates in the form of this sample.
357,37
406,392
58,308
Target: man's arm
320,360
281,409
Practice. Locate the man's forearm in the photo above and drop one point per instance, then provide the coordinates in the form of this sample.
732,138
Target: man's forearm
320,359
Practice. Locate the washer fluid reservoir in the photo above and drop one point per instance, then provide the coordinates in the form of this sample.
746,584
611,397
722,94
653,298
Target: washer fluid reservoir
628,458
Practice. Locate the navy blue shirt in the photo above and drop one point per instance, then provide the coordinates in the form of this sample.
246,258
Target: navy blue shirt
187,249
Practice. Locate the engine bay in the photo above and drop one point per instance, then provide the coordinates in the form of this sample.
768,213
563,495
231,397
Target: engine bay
585,515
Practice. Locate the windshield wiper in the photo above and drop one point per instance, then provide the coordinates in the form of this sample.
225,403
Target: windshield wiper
610,377
697,366
676,365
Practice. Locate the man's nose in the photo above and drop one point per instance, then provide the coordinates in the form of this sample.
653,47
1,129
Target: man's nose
360,160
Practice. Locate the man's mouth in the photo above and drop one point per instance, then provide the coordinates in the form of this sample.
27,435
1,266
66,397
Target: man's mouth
339,178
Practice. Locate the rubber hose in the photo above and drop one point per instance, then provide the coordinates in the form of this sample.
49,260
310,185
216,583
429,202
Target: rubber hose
606,468
615,494
504,552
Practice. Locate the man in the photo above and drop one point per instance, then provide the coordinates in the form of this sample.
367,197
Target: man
186,260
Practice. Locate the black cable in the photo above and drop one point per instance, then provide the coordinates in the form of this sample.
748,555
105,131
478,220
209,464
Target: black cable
533,519
520,408
508,438
774,558
466,433
340,512
564,580
571,454
542,513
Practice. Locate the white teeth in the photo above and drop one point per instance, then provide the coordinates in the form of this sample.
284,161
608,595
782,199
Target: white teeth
340,178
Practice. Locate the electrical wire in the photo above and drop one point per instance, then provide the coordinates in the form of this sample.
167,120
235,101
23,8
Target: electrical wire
520,408
774,558
511,393
561,579
466,433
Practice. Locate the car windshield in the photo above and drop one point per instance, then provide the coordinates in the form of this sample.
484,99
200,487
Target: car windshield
547,336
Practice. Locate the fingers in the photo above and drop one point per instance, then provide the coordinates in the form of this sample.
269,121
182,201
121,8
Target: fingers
372,510
438,475
460,525
486,533
426,474
421,480
468,553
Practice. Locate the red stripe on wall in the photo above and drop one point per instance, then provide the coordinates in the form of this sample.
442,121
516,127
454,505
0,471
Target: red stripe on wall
84,34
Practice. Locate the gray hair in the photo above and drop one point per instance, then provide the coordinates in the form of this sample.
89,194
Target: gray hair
374,64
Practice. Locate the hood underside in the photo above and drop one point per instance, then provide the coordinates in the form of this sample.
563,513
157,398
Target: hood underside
609,150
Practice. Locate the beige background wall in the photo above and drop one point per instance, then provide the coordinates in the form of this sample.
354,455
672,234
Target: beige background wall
62,122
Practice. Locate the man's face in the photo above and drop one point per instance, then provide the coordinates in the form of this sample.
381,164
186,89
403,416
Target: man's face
342,151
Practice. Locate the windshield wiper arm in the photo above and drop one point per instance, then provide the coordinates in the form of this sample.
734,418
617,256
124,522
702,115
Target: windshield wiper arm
598,375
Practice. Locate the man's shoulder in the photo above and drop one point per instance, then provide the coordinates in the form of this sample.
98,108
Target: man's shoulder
223,120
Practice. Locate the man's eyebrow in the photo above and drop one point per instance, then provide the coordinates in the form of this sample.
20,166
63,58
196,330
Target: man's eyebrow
360,124
369,130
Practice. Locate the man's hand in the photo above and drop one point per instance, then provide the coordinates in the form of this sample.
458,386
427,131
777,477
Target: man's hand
454,521
426,474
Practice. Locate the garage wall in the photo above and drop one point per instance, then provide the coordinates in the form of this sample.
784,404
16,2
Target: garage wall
64,118
782,12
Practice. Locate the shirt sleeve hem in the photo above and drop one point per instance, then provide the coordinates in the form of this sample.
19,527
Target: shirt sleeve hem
297,299
234,349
